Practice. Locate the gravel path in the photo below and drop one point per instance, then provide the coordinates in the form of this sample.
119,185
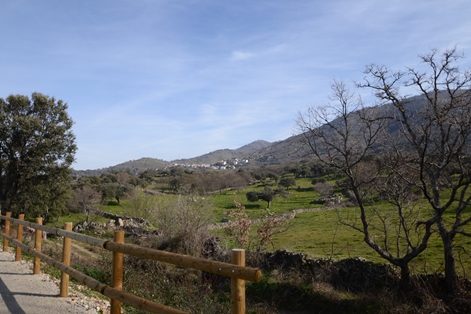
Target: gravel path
25,293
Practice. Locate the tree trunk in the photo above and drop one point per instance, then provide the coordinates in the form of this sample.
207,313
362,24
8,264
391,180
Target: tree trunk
406,284
451,279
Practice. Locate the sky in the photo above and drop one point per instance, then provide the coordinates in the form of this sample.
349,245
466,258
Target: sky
173,79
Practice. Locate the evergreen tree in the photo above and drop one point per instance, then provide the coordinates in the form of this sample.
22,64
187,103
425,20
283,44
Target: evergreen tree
37,148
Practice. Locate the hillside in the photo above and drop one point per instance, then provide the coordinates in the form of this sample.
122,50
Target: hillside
288,150
153,163
226,154
133,165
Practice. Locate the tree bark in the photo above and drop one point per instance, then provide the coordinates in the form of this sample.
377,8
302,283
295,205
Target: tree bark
451,279
406,283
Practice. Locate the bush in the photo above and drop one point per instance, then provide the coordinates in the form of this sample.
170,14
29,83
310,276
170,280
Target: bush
183,224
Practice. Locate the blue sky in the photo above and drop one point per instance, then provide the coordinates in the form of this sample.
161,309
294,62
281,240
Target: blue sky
178,79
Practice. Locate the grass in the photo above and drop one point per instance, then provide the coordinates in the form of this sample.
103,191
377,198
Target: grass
321,235
318,234
300,197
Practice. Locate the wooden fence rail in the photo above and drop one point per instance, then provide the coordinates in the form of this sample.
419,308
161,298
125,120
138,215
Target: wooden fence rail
237,270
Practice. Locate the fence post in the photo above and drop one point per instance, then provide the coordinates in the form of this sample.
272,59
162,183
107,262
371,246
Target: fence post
238,285
19,237
64,288
117,276
7,232
37,247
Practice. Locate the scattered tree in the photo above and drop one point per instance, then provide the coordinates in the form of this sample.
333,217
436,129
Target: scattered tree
324,189
149,175
240,229
267,195
84,199
287,182
183,224
274,177
269,227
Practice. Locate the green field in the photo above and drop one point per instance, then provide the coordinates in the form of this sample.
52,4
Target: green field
318,234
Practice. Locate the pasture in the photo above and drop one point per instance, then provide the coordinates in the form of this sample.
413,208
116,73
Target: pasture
319,234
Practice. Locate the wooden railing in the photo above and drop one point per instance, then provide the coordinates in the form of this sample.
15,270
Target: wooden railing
237,270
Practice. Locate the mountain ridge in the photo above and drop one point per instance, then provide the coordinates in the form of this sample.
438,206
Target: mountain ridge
145,163
257,153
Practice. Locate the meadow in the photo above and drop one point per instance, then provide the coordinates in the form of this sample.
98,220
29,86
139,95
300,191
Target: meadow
319,234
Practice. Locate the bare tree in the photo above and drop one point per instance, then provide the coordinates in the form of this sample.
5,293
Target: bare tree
435,134
122,178
324,189
183,223
85,199
239,230
345,135
269,227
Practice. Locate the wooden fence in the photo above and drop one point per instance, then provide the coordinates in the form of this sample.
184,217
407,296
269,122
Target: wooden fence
236,271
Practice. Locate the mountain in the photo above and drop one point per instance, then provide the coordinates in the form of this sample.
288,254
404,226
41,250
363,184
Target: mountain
259,152
288,150
152,163
226,154
132,165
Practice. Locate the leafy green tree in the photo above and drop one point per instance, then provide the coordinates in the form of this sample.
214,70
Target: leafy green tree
274,177
287,182
267,195
108,190
114,190
109,178
304,171
122,191
136,181
149,175
37,148
252,196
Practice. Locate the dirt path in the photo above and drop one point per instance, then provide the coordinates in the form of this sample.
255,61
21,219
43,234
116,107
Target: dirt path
24,293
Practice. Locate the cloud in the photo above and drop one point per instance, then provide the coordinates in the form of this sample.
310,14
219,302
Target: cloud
241,55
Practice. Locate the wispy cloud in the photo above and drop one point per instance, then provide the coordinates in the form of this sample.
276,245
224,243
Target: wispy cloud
241,55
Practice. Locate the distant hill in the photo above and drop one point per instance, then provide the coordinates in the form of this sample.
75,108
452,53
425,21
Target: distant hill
152,163
226,154
133,165
258,153
288,150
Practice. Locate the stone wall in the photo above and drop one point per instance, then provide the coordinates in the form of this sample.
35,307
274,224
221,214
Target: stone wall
352,274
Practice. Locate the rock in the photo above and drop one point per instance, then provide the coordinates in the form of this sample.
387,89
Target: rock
119,222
